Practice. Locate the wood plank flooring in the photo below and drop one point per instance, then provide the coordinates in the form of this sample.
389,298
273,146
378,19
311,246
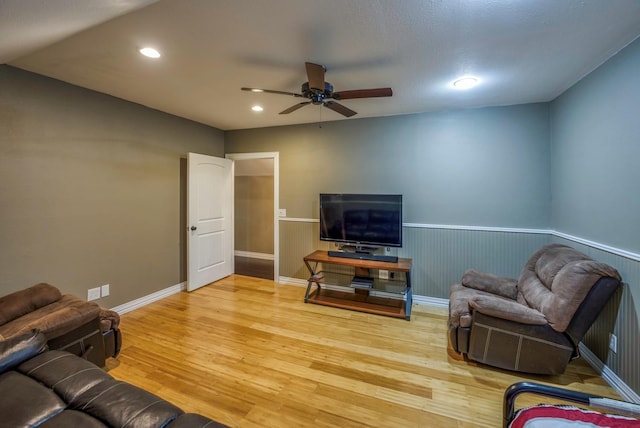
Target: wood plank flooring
249,352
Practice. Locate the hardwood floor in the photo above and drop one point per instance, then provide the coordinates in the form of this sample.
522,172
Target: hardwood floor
248,352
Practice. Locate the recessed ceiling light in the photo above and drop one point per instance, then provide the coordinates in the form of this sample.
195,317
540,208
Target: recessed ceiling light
257,108
465,82
150,52
256,90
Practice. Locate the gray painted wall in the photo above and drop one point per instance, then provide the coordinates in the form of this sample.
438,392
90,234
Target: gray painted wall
595,149
484,167
92,189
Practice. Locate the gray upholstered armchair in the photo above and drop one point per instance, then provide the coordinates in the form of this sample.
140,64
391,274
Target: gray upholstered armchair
532,324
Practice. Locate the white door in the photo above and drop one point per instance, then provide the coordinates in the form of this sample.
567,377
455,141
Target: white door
210,214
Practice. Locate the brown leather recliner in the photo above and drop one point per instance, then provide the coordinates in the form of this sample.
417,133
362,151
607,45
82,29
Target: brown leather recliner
68,322
533,324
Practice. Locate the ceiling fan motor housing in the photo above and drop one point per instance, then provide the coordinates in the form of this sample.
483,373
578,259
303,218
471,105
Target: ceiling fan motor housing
316,96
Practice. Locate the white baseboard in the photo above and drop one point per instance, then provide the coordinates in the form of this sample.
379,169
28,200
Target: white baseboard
150,298
253,255
287,280
431,301
608,375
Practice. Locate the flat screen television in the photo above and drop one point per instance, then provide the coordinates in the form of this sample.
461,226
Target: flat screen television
361,220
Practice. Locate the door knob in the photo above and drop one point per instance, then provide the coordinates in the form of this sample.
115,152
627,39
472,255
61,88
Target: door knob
193,228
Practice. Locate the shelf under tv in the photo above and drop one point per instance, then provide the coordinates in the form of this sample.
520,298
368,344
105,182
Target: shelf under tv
347,290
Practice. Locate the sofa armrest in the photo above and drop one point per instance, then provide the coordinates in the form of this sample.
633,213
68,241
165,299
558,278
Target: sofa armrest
17,349
507,309
498,285
109,320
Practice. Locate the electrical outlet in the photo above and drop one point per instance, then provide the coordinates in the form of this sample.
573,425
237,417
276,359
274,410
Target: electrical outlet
383,274
613,342
93,293
104,290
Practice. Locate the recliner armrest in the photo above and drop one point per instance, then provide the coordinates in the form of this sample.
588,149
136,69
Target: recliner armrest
507,309
19,348
109,320
494,284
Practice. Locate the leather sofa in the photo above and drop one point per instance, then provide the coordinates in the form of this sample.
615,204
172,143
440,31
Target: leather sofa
532,324
40,388
68,322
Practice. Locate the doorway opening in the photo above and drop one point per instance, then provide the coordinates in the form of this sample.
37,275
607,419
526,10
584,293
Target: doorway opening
255,214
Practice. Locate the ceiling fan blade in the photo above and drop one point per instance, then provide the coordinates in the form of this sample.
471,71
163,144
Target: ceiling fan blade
294,107
269,91
315,74
339,108
363,93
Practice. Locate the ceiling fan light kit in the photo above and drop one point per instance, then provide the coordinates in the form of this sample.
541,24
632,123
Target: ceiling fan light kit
150,52
465,82
320,92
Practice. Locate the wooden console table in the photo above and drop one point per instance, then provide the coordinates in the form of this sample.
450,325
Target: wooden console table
359,289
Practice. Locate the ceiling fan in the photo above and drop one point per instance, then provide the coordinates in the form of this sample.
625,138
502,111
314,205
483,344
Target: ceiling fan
318,92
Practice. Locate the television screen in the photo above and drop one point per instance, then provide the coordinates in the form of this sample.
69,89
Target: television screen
361,219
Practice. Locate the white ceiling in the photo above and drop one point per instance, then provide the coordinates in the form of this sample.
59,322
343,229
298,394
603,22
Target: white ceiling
521,50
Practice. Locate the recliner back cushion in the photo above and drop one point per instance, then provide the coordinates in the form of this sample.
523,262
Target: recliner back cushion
556,280
22,302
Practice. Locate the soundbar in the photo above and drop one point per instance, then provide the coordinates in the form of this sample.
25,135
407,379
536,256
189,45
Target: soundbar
364,256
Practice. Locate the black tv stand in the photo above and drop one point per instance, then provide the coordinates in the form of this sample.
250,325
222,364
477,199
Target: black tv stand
364,256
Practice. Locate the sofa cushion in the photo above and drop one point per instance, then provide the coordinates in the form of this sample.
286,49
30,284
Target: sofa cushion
22,302
120,404
54,319
67,375
17,349
72,419
25,402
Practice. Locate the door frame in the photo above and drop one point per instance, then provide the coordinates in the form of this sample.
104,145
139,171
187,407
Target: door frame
276,200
